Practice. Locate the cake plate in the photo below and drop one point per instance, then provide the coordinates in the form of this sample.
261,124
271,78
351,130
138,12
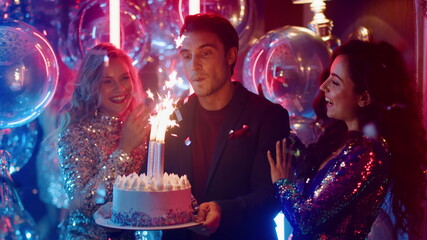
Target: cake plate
102,217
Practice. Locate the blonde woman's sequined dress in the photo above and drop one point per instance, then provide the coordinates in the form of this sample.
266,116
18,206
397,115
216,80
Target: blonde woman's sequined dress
90,162
343,199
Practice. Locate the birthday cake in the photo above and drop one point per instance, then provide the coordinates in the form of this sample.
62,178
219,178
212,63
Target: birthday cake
144,201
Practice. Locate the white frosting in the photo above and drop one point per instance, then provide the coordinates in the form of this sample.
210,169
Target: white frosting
154,203
150,201
146,183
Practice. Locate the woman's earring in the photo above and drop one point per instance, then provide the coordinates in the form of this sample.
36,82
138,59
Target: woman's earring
365,99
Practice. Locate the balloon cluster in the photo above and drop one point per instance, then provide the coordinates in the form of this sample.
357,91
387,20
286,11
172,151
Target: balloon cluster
149,30
28,79
89,26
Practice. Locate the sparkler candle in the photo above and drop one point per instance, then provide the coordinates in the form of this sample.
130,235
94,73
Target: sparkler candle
160,122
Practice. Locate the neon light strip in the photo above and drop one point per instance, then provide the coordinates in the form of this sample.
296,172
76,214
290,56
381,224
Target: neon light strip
180,11
269,88
254,79
194,6
115,22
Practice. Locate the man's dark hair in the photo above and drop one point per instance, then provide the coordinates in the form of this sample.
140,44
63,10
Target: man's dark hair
216,24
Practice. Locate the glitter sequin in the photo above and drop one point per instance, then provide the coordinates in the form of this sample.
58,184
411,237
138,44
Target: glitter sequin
343,199
90,162
141,219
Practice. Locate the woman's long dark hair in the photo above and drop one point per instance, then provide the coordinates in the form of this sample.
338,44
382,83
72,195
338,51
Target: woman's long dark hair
396,111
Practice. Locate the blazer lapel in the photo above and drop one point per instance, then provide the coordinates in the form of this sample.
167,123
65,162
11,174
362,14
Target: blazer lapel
187,134
232,116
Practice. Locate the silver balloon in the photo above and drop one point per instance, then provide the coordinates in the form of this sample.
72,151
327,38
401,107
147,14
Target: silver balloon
20,142
90,26
15,222
287,63
28,73
164,23
241,14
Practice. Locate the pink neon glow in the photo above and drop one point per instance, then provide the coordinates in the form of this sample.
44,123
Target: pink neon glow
194,6
180,11
266,70
115,22
254,68
48,64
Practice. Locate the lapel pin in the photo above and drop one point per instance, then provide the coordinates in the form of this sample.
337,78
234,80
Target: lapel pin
187,141
244,131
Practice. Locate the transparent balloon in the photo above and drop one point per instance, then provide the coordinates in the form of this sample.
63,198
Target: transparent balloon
171,77
164,23
241,14
286,65
15,222
89,26
20,142
28,73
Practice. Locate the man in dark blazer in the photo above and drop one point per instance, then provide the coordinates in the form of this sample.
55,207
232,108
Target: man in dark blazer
222,139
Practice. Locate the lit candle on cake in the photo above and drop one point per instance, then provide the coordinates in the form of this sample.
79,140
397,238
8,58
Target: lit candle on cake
160,122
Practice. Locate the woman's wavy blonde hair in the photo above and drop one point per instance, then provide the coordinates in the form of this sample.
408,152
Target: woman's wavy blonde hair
86,95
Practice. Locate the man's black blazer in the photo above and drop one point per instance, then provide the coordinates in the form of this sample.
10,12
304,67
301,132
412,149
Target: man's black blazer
239,177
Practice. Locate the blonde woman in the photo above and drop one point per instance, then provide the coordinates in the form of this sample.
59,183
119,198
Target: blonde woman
103,133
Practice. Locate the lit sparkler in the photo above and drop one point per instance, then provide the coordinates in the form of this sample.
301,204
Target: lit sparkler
160,122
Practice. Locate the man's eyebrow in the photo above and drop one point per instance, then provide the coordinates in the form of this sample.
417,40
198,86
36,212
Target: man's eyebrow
200,47
207,45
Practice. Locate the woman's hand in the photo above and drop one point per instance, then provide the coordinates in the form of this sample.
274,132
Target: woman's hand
281,168
135,129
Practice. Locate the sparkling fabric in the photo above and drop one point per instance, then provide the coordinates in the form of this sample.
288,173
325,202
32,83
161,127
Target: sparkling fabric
49,178
343,198
90,162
